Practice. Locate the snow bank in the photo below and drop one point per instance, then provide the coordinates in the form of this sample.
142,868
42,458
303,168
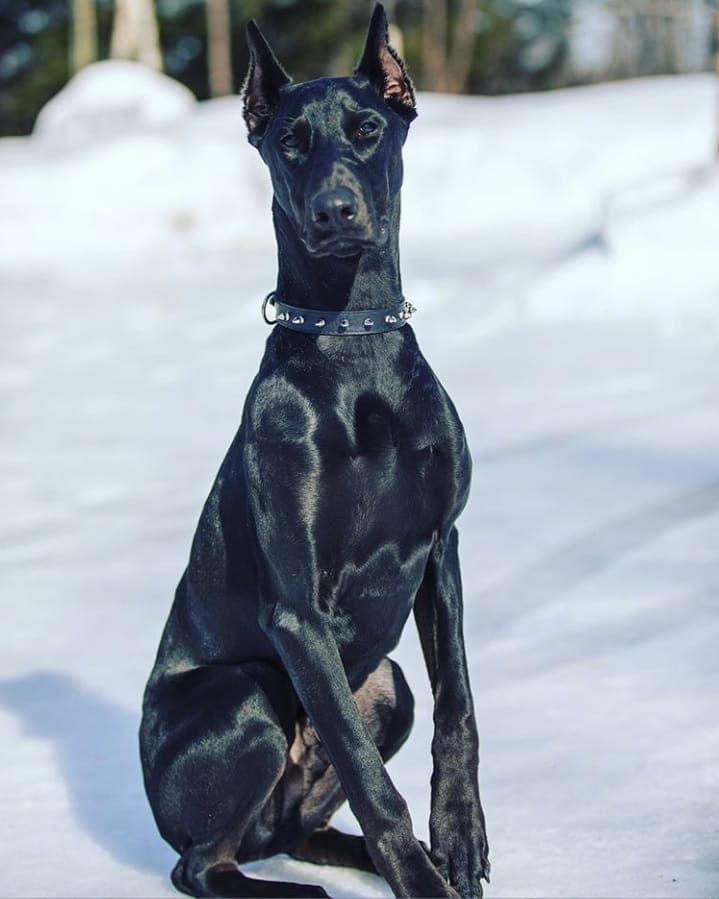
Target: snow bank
562,251
126,165
112,97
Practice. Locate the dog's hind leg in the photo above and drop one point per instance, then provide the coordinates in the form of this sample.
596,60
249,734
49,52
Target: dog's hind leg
327,846
214,743
224,879
386,705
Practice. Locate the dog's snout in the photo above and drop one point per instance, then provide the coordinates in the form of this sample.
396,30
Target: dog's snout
337,220
334,209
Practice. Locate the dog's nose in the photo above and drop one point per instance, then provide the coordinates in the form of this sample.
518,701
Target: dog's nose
334,210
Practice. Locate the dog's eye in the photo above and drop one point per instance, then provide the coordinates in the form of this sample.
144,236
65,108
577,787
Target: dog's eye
368,129
290,141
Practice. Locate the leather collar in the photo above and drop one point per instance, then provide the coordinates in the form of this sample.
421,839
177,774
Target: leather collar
339,323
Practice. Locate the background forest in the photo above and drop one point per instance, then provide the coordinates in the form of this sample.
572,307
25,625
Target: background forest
456,46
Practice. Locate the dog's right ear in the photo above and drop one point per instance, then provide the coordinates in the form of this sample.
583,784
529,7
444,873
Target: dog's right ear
261,91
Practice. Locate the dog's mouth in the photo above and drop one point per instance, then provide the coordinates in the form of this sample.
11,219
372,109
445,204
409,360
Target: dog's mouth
344,244
340,245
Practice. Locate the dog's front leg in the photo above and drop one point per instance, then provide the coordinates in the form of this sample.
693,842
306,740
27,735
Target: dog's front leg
309,653
284,471
457,830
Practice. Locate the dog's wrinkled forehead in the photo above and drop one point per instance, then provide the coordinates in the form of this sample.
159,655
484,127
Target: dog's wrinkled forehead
327,101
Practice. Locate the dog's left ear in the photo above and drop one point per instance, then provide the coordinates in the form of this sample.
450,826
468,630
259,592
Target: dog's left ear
384,68
261,91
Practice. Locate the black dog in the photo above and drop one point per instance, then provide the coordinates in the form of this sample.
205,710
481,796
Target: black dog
332,518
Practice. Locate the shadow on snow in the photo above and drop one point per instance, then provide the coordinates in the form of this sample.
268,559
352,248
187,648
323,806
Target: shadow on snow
96,746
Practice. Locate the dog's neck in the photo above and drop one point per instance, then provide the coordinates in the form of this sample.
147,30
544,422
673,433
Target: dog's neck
369,280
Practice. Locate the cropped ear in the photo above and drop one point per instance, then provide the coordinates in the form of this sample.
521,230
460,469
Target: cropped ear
382,65
261,91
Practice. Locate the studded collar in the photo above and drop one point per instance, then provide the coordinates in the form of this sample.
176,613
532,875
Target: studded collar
341,323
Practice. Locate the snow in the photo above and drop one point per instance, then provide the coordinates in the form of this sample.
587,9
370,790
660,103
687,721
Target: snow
111,96
561,249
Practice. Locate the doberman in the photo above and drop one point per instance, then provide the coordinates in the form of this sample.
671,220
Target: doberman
272,699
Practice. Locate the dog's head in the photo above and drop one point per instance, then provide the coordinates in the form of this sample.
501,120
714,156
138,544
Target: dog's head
333,145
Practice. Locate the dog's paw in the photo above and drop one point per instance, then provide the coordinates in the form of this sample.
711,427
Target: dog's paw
459,869
418,875
461,857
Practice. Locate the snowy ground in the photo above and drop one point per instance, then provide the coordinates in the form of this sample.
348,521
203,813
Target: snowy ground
562,250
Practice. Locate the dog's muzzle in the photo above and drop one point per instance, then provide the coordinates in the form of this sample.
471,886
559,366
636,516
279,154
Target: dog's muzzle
338,224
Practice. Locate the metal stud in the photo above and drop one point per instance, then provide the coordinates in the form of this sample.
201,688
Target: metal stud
344,323
368,323
298,320
390,319
320,323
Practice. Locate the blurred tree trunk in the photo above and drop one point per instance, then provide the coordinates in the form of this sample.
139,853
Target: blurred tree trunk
462,48
434,44
219,52
716,67
448,44
135,34
83,48
396,36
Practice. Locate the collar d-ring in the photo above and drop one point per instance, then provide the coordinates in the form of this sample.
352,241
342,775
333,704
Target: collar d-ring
269,300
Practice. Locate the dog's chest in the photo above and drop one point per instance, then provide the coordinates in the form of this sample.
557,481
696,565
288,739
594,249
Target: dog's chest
395,455
375,443
368,460
395,471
